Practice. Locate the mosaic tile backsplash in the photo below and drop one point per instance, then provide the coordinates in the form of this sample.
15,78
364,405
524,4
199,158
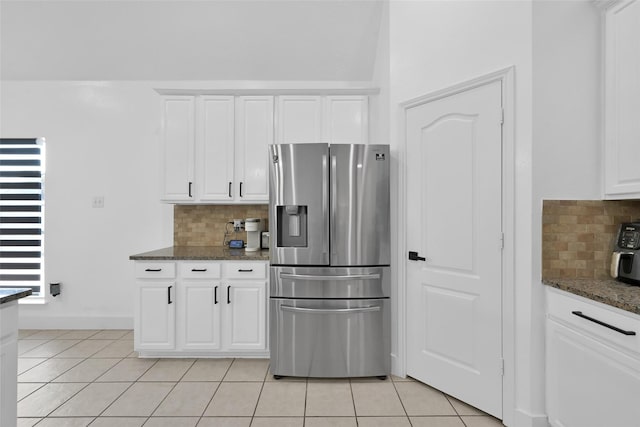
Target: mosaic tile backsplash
205,225
578,236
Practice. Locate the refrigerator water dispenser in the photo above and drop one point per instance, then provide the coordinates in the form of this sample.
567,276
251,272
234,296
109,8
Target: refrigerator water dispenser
292,226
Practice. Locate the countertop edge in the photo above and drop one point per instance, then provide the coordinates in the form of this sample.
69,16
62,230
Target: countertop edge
201,253
18,294
609,292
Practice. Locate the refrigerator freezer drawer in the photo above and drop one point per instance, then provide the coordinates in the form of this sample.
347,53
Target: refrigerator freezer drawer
330,338
330,282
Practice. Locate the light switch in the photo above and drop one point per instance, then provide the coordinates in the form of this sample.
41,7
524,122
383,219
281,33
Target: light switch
97,202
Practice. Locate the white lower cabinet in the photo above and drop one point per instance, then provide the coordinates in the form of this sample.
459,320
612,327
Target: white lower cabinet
592,371
155,308
210,308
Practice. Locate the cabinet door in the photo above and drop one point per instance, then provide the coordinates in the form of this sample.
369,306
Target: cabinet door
346,119
155,315
216,148
200,314
178,145
622,100
299,119
589,384
245,318
254,132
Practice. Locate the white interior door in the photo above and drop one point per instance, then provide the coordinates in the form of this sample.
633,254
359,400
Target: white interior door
454,222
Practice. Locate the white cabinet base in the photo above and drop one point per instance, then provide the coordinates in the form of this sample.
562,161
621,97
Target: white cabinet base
8,363
201,309
592,372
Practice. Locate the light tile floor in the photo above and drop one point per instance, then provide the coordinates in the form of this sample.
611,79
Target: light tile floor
94,378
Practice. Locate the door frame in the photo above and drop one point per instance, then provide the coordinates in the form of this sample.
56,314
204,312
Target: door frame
506,77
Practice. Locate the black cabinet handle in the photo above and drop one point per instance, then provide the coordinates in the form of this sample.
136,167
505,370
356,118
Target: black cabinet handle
240,188
413,256
215,295
169,295
199,269
153,269
229,294
190,184
229,189
600,322
248,270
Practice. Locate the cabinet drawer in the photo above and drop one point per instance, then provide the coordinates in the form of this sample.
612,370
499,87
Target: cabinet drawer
595,319
200,270
155,270
244,270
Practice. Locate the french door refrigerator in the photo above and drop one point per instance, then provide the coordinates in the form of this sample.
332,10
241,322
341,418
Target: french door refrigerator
329,276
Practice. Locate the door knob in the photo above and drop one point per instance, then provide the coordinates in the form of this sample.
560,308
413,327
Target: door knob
413,256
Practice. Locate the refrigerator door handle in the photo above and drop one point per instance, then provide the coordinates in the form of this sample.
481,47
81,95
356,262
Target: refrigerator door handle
325,199
331,311
346,277
334,198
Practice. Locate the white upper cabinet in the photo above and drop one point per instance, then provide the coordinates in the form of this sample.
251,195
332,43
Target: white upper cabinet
254,132
622,100
334,119
215,148
299,119
215,155
346,119
178,145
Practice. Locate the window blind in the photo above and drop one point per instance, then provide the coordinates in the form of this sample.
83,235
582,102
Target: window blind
22,213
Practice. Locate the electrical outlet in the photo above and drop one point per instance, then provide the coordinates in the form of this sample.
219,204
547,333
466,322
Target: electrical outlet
238,225
97,202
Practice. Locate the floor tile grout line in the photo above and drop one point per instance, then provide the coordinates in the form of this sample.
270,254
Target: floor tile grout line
353,403
401,402
172,388
130,385
204,411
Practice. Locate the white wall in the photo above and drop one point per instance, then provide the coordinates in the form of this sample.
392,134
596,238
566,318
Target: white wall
188,40
554,46
102,140
436,44
567,111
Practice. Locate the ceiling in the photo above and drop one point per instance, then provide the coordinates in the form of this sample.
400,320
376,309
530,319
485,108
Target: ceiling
310,40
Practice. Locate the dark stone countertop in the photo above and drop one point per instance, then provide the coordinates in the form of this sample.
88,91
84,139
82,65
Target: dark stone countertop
12,294
179,253
606,291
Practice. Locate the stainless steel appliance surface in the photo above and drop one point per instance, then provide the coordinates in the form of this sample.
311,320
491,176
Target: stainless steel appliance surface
625,260
330,253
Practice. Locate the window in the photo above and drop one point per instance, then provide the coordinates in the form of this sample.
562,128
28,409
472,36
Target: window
22,164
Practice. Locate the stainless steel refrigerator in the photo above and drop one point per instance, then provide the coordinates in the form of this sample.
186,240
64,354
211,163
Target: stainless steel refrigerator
330,250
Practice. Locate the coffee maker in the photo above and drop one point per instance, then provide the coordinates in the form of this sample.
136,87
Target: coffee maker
625,260
253,227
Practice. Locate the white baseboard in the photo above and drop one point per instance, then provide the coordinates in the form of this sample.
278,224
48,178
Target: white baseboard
396,366
60,322
525,419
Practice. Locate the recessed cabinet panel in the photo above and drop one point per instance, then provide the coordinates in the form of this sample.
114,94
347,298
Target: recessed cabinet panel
216,148
201,317
299,119
254,130
178,147
622,100
346,119
154,323
245,314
